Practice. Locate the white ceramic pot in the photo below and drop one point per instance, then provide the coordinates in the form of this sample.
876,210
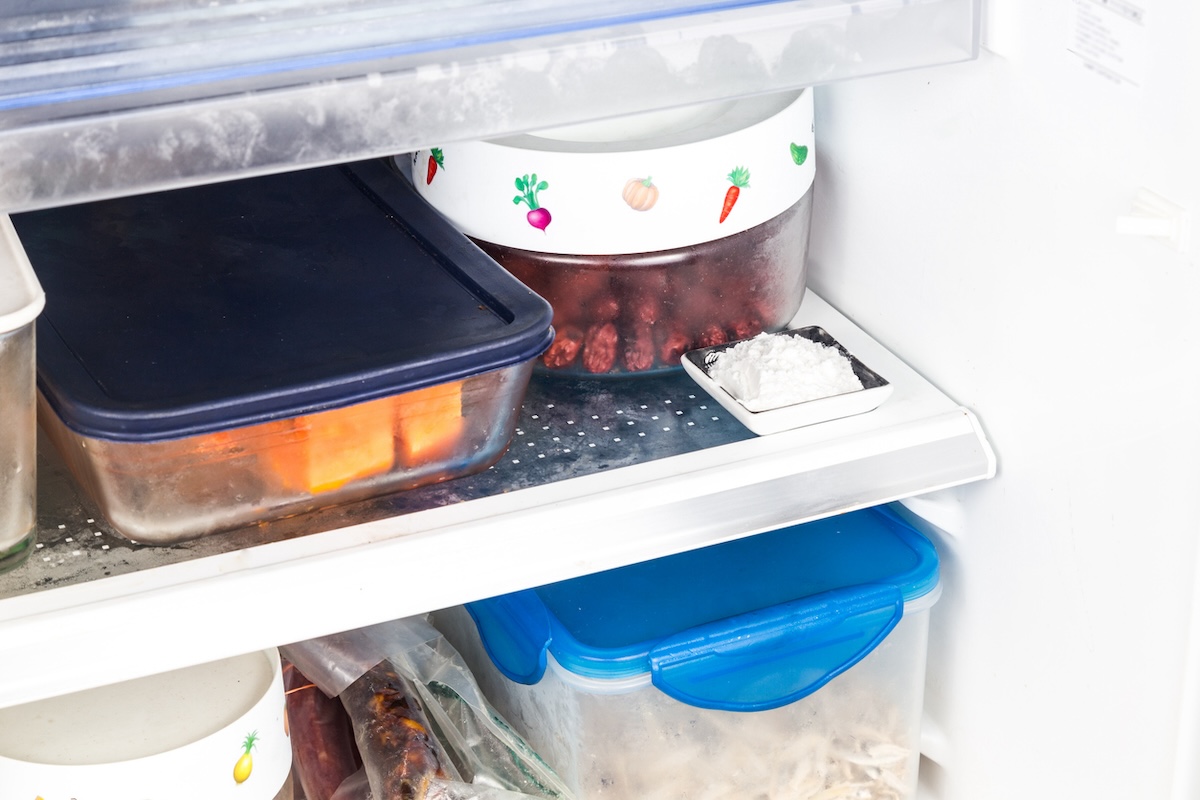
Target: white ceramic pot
210,732
649,235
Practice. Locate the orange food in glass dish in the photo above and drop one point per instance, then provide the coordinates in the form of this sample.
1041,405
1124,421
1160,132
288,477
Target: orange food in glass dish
325,451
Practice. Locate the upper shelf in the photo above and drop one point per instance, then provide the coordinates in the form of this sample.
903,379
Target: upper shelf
100,99
600,473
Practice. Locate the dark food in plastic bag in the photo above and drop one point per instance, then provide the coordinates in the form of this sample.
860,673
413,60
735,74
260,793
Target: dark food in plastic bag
394,736
323,749
421,725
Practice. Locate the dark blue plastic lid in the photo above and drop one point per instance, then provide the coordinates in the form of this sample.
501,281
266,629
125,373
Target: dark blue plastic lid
215,307
751,624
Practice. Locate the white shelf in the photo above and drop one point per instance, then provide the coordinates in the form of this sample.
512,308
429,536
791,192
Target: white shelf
89,608
104,99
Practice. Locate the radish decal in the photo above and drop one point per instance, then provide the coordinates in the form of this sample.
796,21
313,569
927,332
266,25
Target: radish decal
435,161
740,178
528,186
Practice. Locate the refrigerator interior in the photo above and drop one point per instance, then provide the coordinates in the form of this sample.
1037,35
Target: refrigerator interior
969,217
965,238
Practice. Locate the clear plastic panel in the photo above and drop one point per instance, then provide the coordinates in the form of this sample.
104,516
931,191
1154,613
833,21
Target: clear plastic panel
154,94
145,47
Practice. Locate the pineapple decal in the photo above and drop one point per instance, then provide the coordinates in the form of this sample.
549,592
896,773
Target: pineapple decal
245,764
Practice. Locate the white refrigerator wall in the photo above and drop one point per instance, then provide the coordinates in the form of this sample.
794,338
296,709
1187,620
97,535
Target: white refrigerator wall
967,218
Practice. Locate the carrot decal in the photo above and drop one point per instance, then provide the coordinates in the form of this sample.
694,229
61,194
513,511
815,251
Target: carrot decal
528,186
740,178
435,161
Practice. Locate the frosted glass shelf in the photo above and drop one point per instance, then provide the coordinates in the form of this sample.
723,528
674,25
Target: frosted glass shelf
100,99
599,474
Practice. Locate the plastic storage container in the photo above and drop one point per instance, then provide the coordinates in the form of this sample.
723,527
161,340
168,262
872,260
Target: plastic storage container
224,354
210,732
649,235
790,664
21,300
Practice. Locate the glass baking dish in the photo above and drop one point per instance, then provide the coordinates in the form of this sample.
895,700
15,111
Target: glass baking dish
225,354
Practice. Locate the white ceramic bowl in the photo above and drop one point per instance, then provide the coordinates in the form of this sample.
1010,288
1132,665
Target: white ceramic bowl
210,732
638,184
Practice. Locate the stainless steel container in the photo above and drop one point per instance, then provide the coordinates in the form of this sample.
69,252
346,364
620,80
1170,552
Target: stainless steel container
21,300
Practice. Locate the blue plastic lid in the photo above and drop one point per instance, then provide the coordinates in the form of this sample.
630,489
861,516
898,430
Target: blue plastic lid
215,307
751,624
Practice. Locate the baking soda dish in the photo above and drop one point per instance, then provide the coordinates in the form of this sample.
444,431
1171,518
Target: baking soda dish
785,665
649,235
226,354
215,731
822,400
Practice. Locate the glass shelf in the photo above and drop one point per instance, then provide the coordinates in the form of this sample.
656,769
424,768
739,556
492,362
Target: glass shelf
599,474
100,99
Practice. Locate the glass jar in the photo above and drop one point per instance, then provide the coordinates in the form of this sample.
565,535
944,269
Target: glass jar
639,312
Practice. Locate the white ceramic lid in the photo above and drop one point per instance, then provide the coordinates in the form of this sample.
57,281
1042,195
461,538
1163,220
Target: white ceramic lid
21,297
182,735
631,185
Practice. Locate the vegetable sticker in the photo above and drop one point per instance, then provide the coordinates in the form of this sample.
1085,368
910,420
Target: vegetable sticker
245,764
640,194
799,153
528,186
436,160
740,178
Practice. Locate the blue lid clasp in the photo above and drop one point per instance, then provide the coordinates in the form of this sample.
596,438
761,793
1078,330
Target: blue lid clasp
769,658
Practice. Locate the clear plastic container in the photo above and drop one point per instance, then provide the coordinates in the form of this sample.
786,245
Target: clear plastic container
21,300
783,665
228,354
650,235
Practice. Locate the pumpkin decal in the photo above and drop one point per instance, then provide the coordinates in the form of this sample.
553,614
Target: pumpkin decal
640,194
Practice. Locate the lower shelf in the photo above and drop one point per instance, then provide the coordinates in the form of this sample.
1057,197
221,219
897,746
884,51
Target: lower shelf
599,474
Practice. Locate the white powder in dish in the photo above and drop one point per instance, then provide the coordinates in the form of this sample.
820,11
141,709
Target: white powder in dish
772,371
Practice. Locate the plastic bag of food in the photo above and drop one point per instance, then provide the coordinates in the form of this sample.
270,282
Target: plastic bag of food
324,753
356,788
422,727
